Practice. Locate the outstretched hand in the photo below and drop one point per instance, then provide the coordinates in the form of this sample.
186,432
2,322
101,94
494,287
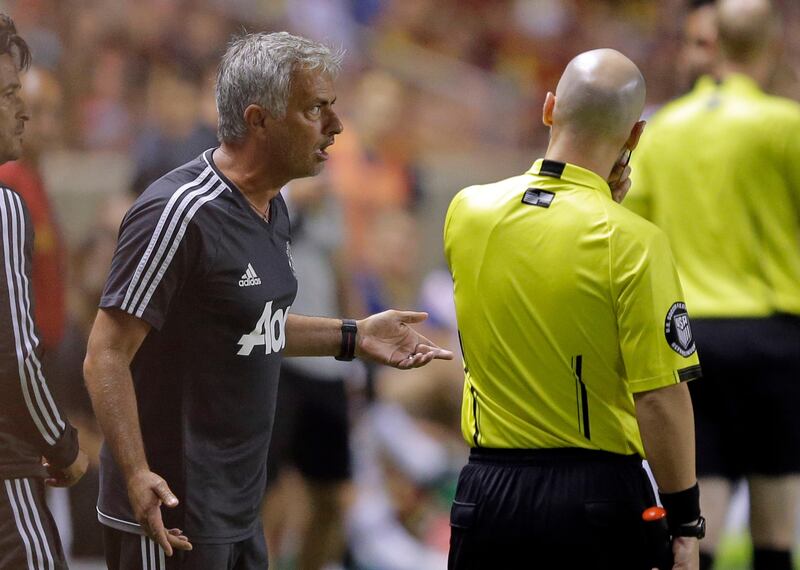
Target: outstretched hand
388,339
147,492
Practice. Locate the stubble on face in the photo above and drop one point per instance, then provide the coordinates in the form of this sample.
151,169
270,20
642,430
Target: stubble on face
310,123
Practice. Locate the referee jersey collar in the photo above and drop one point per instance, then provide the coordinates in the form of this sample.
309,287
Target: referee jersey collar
569,173
740,83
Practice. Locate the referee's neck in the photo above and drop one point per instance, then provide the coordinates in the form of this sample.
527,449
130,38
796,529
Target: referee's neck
597,157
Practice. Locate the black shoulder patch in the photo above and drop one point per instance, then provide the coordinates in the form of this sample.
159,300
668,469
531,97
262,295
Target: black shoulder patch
536,197
678,331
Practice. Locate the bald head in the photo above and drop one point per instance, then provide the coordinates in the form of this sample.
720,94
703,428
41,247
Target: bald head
601,95
746,28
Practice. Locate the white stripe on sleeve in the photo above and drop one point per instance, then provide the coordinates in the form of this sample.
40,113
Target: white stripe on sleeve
41,385
175,243
138,281
17,311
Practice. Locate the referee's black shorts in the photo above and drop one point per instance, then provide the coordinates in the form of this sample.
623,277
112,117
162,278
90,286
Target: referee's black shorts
554,508
746,405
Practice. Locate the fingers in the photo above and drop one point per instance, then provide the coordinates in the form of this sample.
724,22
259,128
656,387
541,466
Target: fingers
620,191
411,316
626,175
415,360
59,482
155,528
619,175
178,540
169,540
167,497
65,478
423,355
438,353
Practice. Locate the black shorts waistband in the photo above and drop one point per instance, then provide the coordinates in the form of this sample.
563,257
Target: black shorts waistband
546,456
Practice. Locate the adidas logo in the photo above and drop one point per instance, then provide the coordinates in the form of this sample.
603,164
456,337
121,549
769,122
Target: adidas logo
249,278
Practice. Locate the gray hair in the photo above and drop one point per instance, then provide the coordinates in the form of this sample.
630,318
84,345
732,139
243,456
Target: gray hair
258,68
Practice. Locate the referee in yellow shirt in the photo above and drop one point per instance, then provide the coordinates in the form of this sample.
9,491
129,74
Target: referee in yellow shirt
577,346
719,172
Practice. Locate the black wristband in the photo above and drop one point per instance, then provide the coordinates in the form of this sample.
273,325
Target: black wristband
682,507
347,351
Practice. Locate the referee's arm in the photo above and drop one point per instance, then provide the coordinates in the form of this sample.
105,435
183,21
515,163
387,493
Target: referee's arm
666,424
665,418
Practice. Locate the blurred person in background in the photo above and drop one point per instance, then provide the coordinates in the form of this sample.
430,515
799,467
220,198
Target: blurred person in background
106,120
184,356
312,430
384,277
89,263
403,485
182,122
577,348
38,445
372,172
719,171
42,133
699,54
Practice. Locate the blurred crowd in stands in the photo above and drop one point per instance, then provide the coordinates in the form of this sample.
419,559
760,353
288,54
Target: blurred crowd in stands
435,94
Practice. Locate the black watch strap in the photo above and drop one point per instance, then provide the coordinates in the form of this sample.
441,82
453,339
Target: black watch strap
347,351
695,530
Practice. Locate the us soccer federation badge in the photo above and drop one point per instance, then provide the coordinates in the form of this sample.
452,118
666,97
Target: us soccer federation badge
678,330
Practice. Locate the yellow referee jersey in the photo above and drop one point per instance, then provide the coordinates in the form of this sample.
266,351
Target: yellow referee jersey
567,304
719,171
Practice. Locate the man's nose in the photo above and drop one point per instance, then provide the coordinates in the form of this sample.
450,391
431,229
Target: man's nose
335,126
23,114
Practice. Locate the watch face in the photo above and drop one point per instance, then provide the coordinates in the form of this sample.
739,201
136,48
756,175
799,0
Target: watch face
696,530
701,527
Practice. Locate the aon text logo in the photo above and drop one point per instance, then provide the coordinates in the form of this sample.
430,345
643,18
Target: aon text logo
269,332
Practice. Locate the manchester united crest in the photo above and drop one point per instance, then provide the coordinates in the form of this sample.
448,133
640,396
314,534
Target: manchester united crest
678,330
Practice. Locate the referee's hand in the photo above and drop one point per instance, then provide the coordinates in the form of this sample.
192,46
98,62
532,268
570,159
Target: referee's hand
620,182
685,553
146,493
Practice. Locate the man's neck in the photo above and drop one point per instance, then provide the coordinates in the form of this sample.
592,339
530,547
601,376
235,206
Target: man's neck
759,71
594,157
249,172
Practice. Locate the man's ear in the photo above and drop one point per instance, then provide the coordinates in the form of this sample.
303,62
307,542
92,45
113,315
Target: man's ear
636,132
547,109
255,117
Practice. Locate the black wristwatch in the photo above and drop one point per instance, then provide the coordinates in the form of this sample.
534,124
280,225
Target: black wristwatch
695,530
347,351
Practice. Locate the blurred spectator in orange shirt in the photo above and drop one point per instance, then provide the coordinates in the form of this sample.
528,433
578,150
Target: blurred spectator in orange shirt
42,94
371,168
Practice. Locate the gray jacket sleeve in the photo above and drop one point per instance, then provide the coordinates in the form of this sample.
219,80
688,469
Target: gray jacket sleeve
27,406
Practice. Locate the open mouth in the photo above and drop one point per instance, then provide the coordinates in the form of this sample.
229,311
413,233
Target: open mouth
322,153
